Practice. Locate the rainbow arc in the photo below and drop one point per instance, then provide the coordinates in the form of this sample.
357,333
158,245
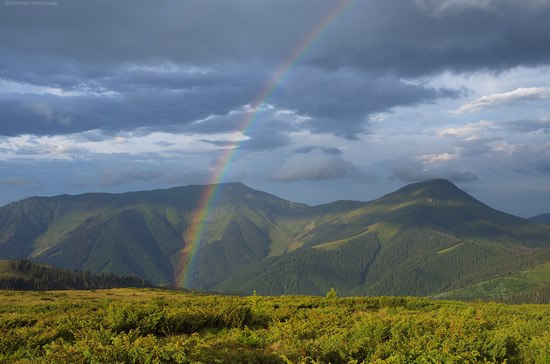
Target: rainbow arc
194,234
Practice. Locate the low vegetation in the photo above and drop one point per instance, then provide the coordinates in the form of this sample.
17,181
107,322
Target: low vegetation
152,325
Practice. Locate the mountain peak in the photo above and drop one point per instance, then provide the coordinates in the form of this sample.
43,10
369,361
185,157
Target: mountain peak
433,190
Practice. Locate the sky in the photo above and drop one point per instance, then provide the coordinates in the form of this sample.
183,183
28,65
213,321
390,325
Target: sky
365,96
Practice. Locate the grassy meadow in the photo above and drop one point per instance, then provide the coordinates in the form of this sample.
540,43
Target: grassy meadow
157,326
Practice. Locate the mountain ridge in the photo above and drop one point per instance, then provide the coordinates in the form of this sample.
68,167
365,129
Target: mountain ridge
542,218
422,239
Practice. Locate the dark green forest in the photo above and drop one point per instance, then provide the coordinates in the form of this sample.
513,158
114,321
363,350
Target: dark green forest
26,275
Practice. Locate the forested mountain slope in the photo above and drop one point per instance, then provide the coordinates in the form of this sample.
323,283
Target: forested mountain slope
423,239
542,218
26,275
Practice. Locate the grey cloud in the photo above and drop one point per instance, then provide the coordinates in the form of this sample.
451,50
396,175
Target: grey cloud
163,143
336,104
328,150
152,107
258,142
266,141
340,102
170,67
396,36
130,170
14,181
113,173
415,172
475,147
528,126
219,143
543,166
407,40
125,174
315,165
266,129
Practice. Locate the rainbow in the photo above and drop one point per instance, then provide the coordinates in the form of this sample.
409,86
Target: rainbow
193,235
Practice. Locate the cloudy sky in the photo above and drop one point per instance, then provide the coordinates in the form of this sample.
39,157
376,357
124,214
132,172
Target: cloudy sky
364,97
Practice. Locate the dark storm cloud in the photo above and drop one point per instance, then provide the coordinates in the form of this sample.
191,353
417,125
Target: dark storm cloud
335,103
414,39
162,65
339,102
154,109
93,36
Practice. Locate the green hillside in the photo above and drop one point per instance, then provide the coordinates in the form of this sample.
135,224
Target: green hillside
26,275
424,239
139,233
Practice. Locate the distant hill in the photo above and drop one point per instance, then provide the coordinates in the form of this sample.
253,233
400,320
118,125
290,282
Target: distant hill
424,239
26,275
542,218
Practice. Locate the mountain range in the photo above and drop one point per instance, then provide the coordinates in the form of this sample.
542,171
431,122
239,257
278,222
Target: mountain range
428,238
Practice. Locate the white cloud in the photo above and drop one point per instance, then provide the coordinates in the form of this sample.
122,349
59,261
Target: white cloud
440,7
520,94
77,146
83,89
435,159
469,131
503,147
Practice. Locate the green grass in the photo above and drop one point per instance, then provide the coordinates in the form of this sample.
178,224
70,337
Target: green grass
522,283
158,326
337,244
